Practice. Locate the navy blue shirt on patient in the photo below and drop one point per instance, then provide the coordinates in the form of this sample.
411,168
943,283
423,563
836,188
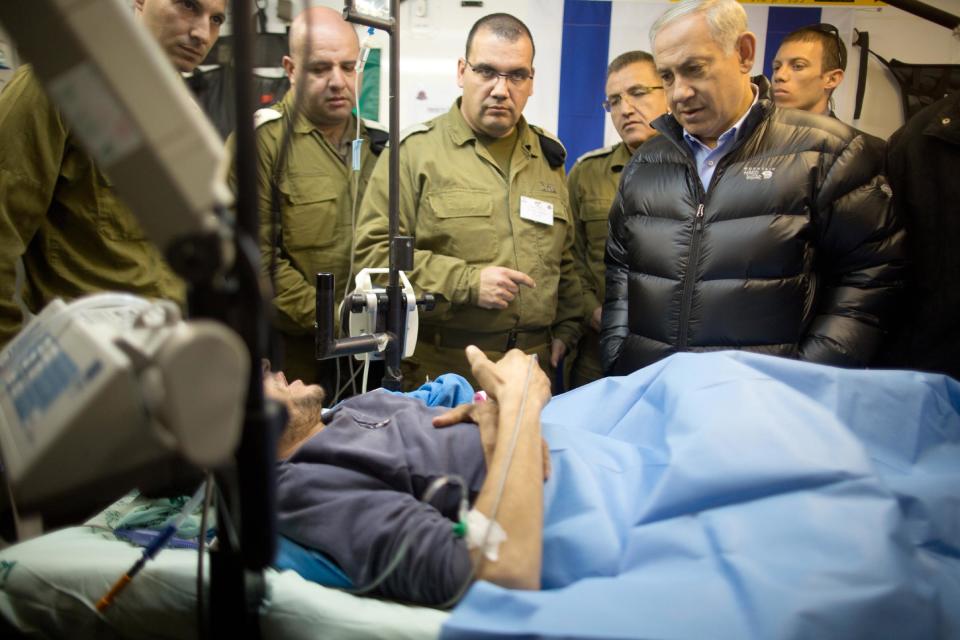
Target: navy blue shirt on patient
353,492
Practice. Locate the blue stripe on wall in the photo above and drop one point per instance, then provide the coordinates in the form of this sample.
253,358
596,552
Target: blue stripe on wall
780,22
583,75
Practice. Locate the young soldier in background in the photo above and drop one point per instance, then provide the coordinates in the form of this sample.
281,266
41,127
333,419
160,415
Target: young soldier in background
808,68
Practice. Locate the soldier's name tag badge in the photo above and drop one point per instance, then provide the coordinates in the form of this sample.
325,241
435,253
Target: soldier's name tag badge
536,210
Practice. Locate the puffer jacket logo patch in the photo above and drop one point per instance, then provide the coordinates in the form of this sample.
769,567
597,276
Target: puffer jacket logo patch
758,173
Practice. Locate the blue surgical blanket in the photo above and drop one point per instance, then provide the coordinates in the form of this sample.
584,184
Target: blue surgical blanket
448,390
731,495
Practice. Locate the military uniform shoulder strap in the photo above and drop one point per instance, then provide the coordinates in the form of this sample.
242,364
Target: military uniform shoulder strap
420,127
378,134
598,153
263,116
553,149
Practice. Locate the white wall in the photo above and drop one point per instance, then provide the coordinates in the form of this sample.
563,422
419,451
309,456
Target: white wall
431,44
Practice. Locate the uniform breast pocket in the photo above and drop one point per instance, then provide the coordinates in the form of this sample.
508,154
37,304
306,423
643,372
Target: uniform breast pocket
595,216
312,218
463,225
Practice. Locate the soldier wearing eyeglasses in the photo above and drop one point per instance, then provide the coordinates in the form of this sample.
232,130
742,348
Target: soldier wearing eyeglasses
484,194
808,68
634,99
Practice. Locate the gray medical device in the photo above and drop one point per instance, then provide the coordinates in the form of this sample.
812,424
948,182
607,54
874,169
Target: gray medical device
106,390
81,401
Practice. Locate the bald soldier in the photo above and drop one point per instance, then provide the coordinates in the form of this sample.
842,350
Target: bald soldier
484,194
317,188
634,99
58,211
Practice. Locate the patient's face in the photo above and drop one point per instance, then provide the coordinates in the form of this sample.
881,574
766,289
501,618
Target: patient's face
304,401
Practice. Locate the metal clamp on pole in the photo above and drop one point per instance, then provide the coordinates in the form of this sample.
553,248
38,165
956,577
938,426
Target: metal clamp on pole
326,345
401,259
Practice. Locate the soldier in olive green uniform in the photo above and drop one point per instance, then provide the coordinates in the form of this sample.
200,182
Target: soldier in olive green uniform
58,211
318,189
484,194
634,100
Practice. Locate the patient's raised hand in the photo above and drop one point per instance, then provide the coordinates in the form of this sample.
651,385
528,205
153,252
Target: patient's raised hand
506,379
472,413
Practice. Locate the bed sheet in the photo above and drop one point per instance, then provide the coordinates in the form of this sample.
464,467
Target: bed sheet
730,495
48,586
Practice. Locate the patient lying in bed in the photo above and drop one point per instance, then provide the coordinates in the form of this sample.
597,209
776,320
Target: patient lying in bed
720,495
352,486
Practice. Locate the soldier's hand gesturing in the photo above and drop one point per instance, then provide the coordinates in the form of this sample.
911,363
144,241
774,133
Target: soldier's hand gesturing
499,285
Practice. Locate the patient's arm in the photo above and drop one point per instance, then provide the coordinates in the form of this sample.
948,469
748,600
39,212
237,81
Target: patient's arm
520,511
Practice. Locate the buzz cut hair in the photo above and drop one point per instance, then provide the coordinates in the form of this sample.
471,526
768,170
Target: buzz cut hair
297,35
626,59
502,25
727,19
834,51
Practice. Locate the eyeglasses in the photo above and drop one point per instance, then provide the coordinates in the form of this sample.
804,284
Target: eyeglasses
488,74
636,92
830,30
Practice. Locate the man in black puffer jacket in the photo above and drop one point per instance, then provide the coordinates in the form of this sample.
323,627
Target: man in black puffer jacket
745,226
923,162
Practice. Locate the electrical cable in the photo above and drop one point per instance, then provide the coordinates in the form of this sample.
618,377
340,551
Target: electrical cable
336,381
361,63
366,372
352,382
357,167
428,495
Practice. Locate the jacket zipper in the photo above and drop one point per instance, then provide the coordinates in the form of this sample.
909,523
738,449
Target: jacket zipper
690,277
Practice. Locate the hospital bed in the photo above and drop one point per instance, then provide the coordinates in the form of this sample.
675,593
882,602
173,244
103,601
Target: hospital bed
721,495
48,587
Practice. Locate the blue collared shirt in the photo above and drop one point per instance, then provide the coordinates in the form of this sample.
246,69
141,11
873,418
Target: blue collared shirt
706,158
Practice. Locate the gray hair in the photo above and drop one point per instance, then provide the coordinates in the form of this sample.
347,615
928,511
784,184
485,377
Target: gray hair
726,19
